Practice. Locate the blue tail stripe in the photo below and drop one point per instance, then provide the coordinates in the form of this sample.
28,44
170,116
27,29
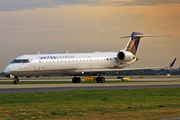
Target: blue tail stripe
137,39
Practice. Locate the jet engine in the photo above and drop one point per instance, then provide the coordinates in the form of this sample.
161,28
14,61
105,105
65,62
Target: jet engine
125,56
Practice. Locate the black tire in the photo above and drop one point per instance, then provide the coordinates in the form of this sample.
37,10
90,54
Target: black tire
74,80
78,80
102,80
98,80
15,82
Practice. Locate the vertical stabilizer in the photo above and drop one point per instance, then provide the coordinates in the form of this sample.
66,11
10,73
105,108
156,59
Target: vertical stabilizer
133,43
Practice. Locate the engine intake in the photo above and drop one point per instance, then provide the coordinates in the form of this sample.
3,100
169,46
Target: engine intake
125,56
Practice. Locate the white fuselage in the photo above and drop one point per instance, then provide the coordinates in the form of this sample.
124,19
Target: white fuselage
68,64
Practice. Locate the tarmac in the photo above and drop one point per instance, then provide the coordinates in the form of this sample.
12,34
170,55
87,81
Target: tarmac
19,86
136,83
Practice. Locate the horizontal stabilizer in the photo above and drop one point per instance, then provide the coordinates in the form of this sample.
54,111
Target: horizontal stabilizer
146,36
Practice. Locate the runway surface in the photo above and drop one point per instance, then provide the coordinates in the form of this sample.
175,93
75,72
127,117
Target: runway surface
24,88
27,90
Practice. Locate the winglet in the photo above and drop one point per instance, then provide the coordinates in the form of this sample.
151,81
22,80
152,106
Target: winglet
173,62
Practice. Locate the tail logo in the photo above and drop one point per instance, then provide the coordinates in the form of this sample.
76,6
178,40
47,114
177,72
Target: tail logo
133,43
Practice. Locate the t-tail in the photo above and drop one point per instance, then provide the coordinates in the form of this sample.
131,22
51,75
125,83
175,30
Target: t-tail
133,43
132,46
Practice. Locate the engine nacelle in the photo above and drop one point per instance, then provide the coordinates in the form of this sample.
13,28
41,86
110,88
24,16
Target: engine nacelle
125,56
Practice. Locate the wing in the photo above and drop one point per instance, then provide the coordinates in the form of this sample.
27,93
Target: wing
123,69
117,70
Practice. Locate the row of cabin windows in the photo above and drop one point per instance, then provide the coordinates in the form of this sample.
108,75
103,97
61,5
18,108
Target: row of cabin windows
64,57
55,57
74,60
64,60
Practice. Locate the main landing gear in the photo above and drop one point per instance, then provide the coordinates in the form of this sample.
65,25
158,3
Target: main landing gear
100,79
16,80
76,79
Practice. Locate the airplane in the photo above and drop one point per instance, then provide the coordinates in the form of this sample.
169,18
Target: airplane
78,64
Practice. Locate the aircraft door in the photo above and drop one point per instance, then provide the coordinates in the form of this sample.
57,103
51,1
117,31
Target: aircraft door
36,62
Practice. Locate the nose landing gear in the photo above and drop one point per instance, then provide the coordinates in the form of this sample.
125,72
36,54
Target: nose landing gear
16,80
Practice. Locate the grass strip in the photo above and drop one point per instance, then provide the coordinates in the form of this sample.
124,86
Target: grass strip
92,104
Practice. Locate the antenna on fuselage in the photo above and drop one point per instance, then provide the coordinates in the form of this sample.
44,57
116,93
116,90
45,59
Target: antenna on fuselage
38,53
67,52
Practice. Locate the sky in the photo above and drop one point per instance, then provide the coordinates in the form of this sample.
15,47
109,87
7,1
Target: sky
58,26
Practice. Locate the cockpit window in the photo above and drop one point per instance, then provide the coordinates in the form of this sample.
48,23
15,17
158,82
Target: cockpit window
16,61
25,61
20,61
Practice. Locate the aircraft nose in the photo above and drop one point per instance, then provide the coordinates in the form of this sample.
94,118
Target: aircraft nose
7,71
